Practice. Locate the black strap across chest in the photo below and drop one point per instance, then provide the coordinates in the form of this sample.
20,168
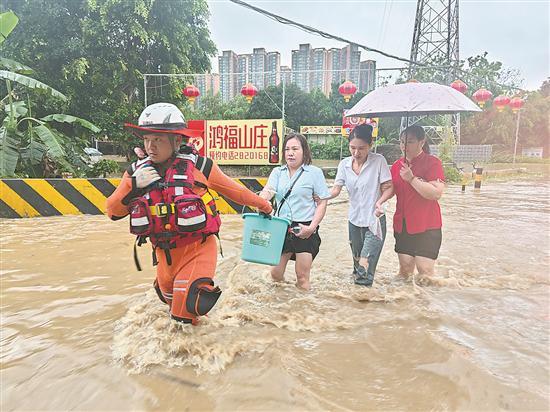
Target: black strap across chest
287,194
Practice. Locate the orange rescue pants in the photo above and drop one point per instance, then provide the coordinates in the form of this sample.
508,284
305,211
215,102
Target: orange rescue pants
189,263
186,285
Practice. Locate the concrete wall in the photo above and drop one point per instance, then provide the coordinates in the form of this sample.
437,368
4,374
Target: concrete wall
55,197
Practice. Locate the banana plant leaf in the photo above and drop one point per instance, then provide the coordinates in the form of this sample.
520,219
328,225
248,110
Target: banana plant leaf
34,153
14,66
9,152
66,165
31,83
8,21
50,140
67,118
19,109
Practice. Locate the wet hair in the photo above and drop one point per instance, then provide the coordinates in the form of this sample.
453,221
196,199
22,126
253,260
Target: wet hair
418,133
362,132
303,143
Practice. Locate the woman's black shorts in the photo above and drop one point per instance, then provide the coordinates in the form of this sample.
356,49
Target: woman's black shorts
294,244
425,244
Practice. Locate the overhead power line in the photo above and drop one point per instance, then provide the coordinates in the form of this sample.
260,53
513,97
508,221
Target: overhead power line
382,25
324,34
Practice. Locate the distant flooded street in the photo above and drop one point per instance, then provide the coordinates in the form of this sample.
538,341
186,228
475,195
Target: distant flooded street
83,329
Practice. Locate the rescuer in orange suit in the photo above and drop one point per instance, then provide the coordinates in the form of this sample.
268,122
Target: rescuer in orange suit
166,195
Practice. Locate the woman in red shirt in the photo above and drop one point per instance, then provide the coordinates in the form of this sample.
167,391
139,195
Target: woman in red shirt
418,183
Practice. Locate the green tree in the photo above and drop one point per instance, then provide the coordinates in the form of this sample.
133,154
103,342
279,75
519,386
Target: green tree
489,126
301,108
479,72
33,146
435,70
388,129
493,127
95,50
212,107
267,104
476,71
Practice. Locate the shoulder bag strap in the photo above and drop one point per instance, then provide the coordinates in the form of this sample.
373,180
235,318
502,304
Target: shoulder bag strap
287,194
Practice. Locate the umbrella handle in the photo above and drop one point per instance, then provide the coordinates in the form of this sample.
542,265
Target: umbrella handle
405,148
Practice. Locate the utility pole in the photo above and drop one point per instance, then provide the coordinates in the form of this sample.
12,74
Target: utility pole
436,42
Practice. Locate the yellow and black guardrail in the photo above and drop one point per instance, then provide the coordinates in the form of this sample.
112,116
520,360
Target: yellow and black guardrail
57,197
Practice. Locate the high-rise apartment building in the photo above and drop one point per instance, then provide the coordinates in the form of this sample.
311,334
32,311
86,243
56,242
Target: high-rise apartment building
367,78
286,75
202,84
318,78
273,69
259,68
214,82
228,66
350,57
259,58
207,83
244,68
321,68
301,66
317,68
333,65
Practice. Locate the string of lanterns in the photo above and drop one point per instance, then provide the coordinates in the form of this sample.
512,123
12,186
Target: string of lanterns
500,102
482,96
348,89
249,91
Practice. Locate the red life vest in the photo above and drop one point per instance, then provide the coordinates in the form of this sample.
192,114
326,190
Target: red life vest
170,214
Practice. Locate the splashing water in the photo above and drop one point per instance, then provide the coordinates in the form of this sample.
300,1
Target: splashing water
82,329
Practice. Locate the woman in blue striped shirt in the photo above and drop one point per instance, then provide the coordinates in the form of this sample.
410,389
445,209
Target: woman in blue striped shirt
305,181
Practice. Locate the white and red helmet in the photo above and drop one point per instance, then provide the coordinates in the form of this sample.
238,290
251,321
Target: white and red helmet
162,118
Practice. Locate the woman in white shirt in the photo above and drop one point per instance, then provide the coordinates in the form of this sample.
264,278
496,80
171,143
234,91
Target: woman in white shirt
367,178
305,181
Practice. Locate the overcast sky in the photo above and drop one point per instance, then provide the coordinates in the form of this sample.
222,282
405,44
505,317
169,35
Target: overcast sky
513,32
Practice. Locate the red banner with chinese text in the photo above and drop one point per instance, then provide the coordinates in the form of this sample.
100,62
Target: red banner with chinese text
244,142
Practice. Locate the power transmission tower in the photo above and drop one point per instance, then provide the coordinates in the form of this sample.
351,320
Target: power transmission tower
435,42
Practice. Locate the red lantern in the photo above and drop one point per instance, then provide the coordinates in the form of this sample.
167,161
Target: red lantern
501,102
191,92
347,89
249,91
482,96
459,86
516,103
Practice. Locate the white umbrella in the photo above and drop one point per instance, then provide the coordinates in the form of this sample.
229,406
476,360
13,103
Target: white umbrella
412,99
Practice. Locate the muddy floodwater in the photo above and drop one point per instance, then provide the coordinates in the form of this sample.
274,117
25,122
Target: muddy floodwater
82,329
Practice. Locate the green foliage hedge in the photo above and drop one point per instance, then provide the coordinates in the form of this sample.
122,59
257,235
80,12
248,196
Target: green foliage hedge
329,151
